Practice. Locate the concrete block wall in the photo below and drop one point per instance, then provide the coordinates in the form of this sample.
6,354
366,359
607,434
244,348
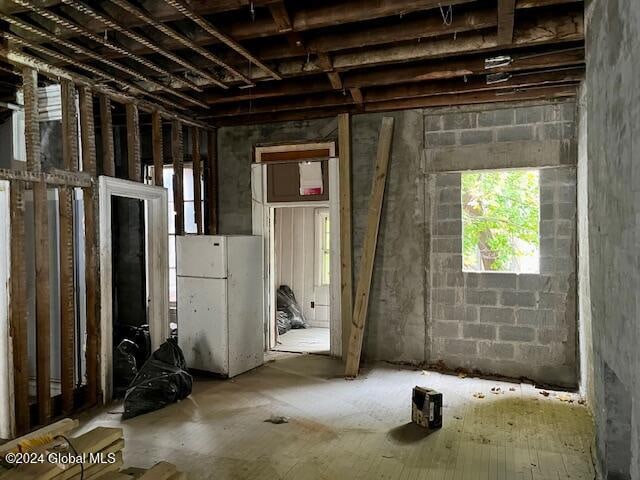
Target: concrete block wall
409,319
504,323
481,126
613,225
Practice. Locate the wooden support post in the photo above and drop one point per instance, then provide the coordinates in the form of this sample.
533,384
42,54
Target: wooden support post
178,173
197,177
19,309
92,278
92,288
133,143
31,120
69,126
158,151
106,128
87,131
369,249
43,302
346,289
67,299
211,183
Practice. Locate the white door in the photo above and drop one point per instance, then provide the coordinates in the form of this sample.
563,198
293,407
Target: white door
322,292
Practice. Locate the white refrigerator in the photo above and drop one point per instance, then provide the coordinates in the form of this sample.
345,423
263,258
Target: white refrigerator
220,299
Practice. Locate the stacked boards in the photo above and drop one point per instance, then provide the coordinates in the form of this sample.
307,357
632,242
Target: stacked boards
52,454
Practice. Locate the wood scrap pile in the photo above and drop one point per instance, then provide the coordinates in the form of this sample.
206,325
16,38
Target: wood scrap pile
51,453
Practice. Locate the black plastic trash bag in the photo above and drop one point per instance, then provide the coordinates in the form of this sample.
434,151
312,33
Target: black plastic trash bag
286,302
162,380
283,321
125,368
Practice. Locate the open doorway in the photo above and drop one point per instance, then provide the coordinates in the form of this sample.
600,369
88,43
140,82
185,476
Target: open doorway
302,269
282,193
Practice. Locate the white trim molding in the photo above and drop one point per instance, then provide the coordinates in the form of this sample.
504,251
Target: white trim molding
157,231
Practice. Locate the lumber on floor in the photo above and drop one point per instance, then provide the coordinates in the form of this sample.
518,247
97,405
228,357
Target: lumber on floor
369,248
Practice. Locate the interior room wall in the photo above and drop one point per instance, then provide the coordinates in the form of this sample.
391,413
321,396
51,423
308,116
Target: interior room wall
401,318
613,104
294,242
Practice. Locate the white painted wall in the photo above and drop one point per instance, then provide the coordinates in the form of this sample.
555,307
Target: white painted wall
295,256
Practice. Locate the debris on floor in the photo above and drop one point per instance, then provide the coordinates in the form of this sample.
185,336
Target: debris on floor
565,397
277,419
496,390
96,454
478,395
426,408
544,393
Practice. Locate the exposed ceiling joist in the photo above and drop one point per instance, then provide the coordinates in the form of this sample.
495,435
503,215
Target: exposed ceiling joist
172,33
140,39
506,20
214,32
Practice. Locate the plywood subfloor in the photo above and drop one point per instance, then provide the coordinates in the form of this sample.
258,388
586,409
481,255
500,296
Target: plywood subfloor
359,429
305,340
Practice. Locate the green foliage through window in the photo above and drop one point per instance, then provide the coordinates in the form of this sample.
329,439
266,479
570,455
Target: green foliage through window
500,219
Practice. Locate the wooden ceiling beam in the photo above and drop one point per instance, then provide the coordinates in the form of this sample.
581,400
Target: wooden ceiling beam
80,30
473,98
203,23
506,21
175,35
283,22
82,50
142,41
398,92
433,70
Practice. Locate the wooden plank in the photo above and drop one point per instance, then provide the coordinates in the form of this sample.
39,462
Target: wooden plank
356,94
346,275
67,300
133,143
106,131
87,131
52,177
158,151
18,308
197,178
211,183
506,20
160,471
178,173
369,249
90,468
92,285
61,427
69,126
31,121
43,302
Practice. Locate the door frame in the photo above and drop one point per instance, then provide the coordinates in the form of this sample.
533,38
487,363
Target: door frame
157,241
7,413
263,226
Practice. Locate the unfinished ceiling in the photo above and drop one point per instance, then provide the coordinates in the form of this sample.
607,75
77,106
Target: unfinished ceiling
241,61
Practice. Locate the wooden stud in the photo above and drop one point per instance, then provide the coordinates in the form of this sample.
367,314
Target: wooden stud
197,178
133,143
67,299
158,151
31,120
52,177
211,183
356,94
178,175
369,249
346,288
506,20
92,287
106,127
69,126
43,302
19,308
87,131
92,278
